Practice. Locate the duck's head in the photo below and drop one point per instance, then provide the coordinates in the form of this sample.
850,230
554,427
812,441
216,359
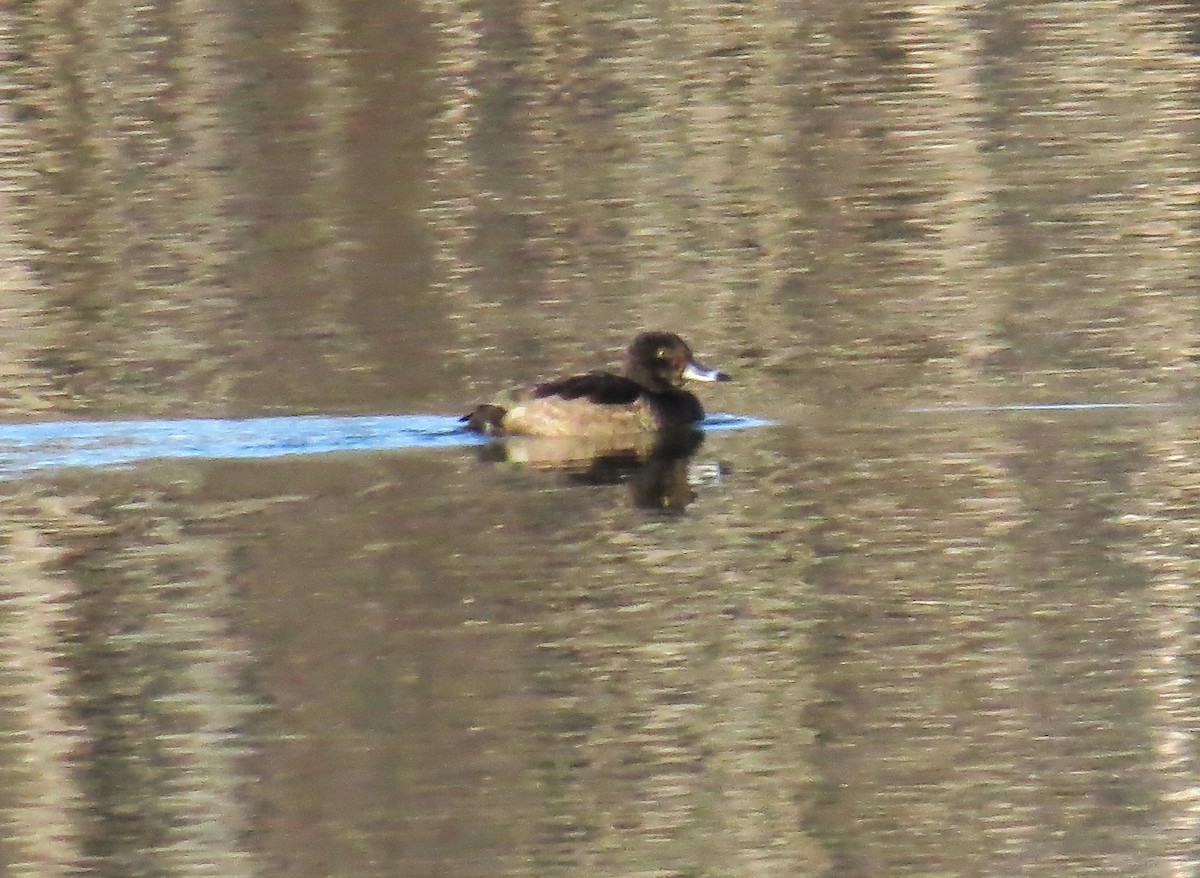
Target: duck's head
661,360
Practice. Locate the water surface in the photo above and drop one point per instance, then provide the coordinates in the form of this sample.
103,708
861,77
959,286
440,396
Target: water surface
939,618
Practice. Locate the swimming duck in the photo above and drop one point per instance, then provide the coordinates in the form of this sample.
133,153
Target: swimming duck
649,396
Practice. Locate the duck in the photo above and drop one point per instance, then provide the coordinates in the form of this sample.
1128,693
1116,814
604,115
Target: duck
647,397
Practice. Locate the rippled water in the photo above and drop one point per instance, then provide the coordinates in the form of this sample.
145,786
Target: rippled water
263,613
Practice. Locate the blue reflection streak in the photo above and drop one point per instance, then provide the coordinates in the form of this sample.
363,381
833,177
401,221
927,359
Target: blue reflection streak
27,448
968,408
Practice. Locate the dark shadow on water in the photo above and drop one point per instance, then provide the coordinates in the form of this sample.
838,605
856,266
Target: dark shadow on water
659,472
33,447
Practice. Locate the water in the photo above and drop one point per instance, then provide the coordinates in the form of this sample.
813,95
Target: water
264,609
26,448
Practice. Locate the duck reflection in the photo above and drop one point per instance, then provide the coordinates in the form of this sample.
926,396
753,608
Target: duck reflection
656,466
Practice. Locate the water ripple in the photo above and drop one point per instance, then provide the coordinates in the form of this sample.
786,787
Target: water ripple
44,445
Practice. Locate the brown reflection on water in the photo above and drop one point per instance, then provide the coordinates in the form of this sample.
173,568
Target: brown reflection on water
123,682
938,201
877,643
220,208
952,645
555,680
987,643
589,179
123,216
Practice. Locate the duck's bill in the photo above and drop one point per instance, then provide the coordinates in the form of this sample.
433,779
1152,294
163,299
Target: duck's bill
696,372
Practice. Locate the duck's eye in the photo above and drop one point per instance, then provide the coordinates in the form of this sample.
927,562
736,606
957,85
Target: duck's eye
661,353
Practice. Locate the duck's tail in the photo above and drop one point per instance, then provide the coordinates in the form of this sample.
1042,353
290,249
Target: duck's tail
487,419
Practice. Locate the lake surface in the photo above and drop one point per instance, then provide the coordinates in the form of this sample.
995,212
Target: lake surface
933,611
